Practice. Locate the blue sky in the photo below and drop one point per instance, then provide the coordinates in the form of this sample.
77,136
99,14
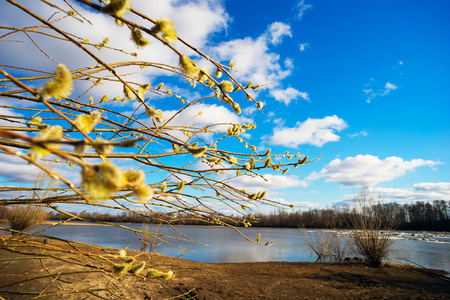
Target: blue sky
365,83
381,67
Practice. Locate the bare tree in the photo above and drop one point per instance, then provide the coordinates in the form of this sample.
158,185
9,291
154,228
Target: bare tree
372,236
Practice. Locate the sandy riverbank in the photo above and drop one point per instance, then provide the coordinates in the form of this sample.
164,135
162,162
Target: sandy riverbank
85,271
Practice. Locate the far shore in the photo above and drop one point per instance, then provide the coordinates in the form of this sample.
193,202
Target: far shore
72,223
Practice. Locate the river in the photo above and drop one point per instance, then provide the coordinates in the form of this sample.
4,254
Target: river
427,249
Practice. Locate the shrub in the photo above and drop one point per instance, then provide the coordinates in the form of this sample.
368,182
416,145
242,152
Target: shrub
328,245
148,238
372,236
23,217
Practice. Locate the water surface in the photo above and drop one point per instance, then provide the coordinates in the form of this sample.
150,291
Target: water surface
227,246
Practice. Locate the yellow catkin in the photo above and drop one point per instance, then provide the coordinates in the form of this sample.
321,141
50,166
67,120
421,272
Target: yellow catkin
227,86
197,151
128,93
203,76
144,192
117,8
121,269
225,98
101,147
267,162
112,174
138,39
61,86
236,108
218,73
138,268
163,186
303,160
168,275
35,121
47,133
154,113
87,122
180,186
167,27
188,67
134,177
153,273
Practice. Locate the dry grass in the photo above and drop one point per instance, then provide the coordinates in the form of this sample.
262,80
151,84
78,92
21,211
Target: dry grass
328,246
148,239
23,217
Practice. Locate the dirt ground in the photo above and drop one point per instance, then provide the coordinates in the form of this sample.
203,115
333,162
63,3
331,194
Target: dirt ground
75,271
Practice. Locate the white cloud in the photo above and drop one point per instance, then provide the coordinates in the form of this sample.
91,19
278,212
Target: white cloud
277,31
206,17
254,57
195,20
256,183
303,46
315,132
358,134
425,191
389,86
15,168
380,92
302,8
288,95
352,170
5,121
441,187
210,114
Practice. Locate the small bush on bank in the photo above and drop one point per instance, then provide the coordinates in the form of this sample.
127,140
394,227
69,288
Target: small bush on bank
328,246
371,231
23,217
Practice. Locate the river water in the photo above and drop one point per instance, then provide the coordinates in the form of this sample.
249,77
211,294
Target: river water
225,245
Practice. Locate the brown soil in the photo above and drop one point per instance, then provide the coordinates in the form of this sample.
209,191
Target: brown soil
83,274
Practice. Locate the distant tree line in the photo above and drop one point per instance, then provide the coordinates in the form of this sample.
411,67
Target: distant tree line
414,216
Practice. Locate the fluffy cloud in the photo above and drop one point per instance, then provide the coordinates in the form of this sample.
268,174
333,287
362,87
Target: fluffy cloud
315,132
388,87
205,17
257,183
5,121
352,170
195,20
303,46
254,57
15,168
425,191
210,114
288,95
277,31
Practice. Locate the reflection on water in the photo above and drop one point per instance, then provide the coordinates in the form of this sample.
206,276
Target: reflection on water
229,247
